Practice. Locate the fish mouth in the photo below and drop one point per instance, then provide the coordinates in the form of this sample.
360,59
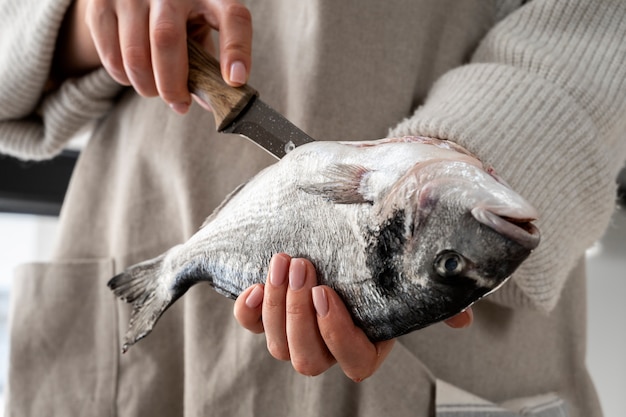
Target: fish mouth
518,229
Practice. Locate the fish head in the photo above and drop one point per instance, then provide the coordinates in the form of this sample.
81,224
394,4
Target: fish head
452,233
470,225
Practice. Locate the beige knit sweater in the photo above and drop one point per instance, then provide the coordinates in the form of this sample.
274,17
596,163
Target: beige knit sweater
542,99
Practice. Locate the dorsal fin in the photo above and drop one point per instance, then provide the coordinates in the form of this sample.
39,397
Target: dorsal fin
346,184
222,204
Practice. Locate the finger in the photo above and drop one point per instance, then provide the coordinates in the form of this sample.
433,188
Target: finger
235,40
309,355
199,30
461,320
79,55
168,40
274,305
135,46
102,23
357,356
248,308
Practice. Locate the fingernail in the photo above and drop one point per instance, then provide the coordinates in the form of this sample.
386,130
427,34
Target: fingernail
278,270
297,274
255,298
180,108
238,73
320,302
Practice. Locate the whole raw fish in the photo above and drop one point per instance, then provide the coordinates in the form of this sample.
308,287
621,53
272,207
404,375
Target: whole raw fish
408,231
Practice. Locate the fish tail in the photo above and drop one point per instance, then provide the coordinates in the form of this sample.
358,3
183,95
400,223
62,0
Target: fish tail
141,286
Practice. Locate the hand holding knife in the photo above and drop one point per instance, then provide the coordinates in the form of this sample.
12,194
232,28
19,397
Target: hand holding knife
239,110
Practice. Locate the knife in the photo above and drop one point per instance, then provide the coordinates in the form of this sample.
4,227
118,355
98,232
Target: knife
239,110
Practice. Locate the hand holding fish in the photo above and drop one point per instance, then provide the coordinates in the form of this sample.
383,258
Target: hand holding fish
144,43
307,324
310,325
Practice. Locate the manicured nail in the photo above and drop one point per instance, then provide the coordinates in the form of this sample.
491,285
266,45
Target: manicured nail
238,73
180,108
255,298
320,302
297,274
279,266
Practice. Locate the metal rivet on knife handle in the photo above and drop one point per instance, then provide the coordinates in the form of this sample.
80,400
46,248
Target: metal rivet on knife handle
206,82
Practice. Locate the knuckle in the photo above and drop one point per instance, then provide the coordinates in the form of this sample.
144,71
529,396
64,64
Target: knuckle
236,45
273,302
298,309
165,34
239,12
238,40
136,59
278,350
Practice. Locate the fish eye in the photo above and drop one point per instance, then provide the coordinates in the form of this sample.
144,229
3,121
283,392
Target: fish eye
449,264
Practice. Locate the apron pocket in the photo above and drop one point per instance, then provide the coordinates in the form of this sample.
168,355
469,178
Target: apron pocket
452,401
63,340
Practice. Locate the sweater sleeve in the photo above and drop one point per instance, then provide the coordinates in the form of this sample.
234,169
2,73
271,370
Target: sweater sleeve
543,100
34,125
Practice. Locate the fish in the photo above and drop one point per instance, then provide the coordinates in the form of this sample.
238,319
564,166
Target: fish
408,231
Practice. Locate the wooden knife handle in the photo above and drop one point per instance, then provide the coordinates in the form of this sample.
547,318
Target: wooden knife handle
206,82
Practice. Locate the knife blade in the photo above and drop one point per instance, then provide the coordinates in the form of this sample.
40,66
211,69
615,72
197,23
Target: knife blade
239,110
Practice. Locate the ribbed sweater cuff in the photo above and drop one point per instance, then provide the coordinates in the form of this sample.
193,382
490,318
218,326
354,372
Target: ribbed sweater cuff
546,152
34,126
64,113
